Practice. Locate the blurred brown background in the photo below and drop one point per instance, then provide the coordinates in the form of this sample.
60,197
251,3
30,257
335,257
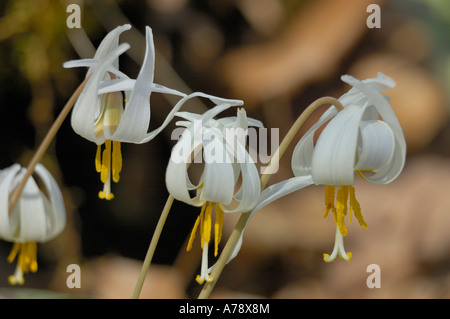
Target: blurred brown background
278,56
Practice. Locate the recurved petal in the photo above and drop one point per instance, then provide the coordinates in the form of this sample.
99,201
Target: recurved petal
8,225
377,146
27,220
56,212
85,110
177,178
93,63
333,159
388,115
302,154
108,45
218,176
136,118
31,212
204,118
249,192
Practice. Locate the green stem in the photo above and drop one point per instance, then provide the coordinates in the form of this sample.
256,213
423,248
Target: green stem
240,225
44,145
152,247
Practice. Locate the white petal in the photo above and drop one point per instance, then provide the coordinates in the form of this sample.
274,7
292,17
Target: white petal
93,63
218,177
177,178
158,88
250,190
333,159
136,117
204,118
388,115
86,106
31,211
8,226
56,213
269,195
377,145
108,45
116,85
302,154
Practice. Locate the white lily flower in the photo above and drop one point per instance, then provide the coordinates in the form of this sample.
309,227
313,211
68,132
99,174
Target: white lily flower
113,108
229,182
377,152
38,216
365,137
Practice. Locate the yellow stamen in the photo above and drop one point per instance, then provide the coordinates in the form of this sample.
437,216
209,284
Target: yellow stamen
108,164
116,161
192,237
345,194
106,161
98,160
329,200
26,254
218,226
204,220
341,208
356,208
206,234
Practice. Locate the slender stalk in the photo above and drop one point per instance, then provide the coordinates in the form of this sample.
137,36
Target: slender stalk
155,238
44,145
233,239
152,247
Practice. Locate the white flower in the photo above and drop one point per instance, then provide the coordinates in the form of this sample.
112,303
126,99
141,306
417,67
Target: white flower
355,140
229,182
113,108
38,216
365,137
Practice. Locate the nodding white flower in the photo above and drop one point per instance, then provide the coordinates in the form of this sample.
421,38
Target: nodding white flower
229,182
355,140
38,216
113,108
365,137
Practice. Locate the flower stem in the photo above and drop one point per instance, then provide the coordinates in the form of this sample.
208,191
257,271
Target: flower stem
233,239
44,145
152,247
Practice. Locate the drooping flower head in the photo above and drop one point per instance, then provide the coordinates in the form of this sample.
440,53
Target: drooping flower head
113,108
229,182
38,216
364,138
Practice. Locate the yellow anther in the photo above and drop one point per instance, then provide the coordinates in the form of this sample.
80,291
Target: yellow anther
341,208
204,222
109,164
26,254
356,208
206,234
116,161
329,200
98,159
106,162
218,226
345,197
192,237
14,251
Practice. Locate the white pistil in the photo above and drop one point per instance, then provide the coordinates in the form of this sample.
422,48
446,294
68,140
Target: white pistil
338,249
204,274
